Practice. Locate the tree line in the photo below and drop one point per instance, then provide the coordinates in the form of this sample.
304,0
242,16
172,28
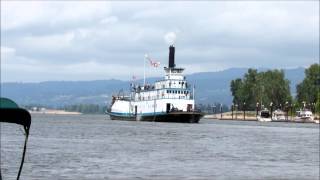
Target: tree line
212,108
86,108
271,88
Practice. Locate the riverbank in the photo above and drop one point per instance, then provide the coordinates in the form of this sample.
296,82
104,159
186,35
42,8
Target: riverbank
229,117
251,116
54,111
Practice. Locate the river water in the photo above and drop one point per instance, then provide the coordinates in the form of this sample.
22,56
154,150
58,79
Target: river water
94,147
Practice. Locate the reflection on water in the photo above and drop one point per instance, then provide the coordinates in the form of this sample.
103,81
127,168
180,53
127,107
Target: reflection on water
93,147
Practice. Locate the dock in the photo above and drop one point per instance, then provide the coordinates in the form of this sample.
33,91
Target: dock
250,116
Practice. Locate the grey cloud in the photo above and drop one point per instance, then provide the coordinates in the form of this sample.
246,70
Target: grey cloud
210,36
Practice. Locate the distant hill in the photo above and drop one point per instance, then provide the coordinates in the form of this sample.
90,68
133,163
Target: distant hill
210,87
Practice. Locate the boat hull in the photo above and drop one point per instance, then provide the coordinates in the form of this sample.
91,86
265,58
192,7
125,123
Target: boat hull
177,117
124,118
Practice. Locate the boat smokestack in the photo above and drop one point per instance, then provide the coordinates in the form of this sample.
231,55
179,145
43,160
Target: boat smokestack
171,56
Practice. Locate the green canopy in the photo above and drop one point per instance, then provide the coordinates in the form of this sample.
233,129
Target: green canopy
11,113
7,103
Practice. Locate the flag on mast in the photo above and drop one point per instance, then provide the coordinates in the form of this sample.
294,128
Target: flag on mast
134,77
152,62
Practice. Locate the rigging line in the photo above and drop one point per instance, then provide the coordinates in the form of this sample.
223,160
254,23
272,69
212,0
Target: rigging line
24,151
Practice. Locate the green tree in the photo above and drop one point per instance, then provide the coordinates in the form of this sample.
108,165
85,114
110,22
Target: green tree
245,90
275,88
86,108
317,109
250,89
308,89
235,88
262,87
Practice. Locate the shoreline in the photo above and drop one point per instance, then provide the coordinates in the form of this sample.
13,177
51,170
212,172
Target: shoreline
227,117
208,116
57,112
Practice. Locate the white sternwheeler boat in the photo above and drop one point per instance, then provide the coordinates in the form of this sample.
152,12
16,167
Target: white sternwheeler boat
167,100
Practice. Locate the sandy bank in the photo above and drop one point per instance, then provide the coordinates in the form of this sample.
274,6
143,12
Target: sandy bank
52,111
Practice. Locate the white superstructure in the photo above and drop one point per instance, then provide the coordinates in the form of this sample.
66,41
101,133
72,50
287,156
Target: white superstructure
168,96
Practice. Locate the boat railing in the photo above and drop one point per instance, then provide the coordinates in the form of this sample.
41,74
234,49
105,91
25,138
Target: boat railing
124,98
160,97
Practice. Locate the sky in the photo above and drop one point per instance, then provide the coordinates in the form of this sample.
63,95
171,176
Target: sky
90,40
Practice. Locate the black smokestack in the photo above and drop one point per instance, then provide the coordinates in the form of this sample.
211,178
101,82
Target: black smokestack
171,57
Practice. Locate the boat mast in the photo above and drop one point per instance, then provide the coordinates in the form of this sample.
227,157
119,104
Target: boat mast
144,70
193,92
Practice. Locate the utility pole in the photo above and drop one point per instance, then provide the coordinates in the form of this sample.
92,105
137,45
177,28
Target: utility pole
271,109
287,110
244,110
232,111
214,111
220,111
236,110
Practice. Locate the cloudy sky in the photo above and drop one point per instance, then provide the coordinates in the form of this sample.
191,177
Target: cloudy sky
43,41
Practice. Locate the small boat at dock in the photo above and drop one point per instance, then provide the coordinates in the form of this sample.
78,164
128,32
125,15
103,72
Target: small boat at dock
304,115
264,116
279,116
